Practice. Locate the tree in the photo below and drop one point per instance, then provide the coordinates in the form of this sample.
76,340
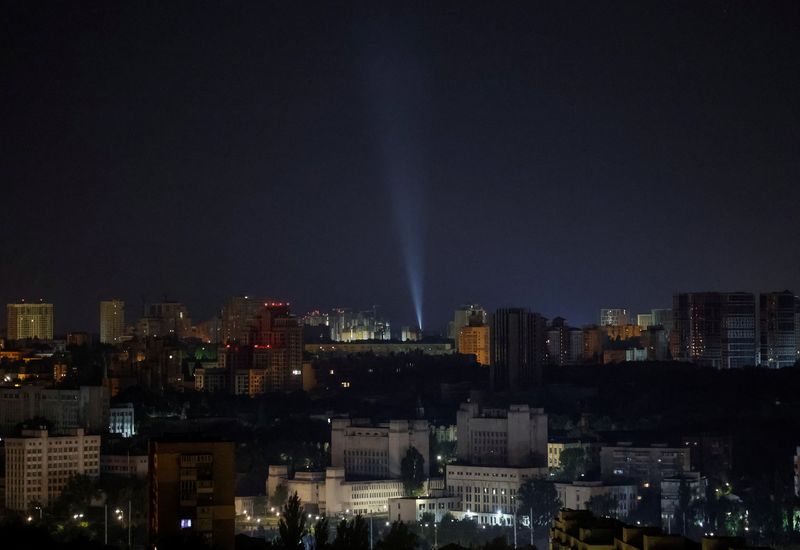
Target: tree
351,535
293,523
572,463
321,528
540,497
278,498
603,505
399,537
412,472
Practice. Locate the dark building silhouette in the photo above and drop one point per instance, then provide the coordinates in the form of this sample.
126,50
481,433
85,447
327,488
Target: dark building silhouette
778,329
192,492
715,329
518,347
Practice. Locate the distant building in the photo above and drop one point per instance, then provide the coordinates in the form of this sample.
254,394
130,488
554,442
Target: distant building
516,436
474,340
86,407
78,338
564,343
488,494
778,330
519,348
696,486
593,339
650,463
39,465
192,491
121,420
30,321
797,472
409,334
350,326
714,329
556,447
164,320
644,320
379,348
124,465
464,316
375,451
112,321
577,494
614,317
415,509
662,318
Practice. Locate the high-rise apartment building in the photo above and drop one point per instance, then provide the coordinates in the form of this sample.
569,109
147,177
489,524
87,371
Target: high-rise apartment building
564,343
474,339
614,317
519,348
716,329
465,315
280,336
112,321
240,319
30,321
164,320
777,328
39,465
192,491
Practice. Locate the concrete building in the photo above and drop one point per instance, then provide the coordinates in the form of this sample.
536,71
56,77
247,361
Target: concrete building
696,485
488,493
39,465
375,451
644,320
464,316
331,493
192,490
516,436
576,495
166,319
777,330
556,447
474,340
650,463
614,317
124,465
519,348
86,407
121,420
112,321
593,339
413,509
30,321
579,529
240,319
715,329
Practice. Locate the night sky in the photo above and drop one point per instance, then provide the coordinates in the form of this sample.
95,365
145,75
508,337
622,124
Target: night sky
564,156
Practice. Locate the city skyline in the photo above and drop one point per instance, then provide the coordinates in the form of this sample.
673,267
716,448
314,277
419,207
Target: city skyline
564,160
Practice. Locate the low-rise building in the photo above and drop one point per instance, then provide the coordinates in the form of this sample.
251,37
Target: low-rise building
488,493
86,407
577,495
414,509
121,420
125,465
649,463
39,465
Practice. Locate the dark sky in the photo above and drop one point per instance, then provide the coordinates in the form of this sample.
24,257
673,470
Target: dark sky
563,156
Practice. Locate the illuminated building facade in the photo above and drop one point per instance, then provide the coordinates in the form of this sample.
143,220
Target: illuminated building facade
614,317
121,420
240,319
112,321
165,320
349,326
192,491
475,340
39,465
465,315
375,451
516,436
575,495
30,321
